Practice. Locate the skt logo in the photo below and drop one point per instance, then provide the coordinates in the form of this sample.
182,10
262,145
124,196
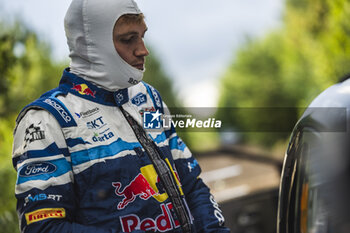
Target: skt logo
145,185
83,89
95,124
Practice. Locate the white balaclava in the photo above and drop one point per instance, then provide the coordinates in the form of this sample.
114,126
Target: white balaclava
89,30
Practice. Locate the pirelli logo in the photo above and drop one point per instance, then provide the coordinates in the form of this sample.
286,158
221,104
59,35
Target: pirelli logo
42,214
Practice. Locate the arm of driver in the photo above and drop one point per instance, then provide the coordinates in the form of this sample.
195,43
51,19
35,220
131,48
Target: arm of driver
46,201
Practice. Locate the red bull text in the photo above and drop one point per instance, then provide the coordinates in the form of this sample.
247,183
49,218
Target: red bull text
144,186
83,89
163,222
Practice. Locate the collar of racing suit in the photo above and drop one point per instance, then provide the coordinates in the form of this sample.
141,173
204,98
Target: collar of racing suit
89,31
84,89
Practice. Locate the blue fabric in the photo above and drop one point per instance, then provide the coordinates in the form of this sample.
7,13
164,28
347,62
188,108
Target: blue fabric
100,152
51,150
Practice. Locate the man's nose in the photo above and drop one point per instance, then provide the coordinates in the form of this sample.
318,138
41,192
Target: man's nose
141,50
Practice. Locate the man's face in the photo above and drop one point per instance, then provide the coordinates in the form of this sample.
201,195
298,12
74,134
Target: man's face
128,41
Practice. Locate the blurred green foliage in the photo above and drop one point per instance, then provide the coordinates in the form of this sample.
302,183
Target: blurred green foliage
287,68
27,70
156,76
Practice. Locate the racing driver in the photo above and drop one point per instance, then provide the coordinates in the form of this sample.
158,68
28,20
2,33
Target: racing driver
85,160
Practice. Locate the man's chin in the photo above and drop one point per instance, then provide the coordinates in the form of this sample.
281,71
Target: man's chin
140,68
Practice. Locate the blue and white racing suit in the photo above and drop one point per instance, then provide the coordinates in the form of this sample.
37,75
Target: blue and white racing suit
81,168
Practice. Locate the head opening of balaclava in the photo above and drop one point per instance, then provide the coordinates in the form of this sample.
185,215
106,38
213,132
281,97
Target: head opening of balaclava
89,31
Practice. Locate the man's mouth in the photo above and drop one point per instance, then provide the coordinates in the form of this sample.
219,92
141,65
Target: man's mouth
139,66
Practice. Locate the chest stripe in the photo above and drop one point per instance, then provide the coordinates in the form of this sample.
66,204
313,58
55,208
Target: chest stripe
98,152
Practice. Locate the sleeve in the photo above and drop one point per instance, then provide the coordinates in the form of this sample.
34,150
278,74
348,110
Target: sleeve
45,185
204,209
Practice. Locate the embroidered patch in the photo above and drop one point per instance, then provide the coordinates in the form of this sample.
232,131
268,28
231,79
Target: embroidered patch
42,214
33,133
139,99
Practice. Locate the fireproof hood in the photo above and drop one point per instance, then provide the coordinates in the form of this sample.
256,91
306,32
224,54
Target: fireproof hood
89,31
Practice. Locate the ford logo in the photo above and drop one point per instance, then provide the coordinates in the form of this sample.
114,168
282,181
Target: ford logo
34,169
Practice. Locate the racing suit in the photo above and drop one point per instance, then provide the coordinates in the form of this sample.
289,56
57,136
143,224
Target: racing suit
81,168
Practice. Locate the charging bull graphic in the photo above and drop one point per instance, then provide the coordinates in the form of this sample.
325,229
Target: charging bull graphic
138,187
83,89
145,185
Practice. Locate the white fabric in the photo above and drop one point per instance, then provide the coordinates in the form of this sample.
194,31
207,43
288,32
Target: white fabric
89,31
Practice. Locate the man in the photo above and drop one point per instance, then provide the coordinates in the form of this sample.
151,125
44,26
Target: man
84,163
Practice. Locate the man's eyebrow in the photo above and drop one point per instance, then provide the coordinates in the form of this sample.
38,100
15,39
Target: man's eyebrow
131,33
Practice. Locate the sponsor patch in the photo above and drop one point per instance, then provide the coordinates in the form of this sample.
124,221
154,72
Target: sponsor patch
102,137
156,97
41,197
139,99
33,133
98,123
142,111
59,109
192,165
161,223
83,89
138,187
42,214
145,185
119,97
87,113
217,212
34,169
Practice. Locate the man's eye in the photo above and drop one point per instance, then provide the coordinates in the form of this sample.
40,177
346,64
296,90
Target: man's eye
127,40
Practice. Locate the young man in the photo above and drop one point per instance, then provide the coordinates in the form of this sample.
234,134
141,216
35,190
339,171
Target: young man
84,163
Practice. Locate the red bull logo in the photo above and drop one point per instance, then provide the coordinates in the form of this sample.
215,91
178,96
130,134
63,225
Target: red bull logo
138,187
144,186
152,109
83,89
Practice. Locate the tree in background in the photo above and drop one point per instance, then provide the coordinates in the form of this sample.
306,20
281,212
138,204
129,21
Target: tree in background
274,75
27,71
156,76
